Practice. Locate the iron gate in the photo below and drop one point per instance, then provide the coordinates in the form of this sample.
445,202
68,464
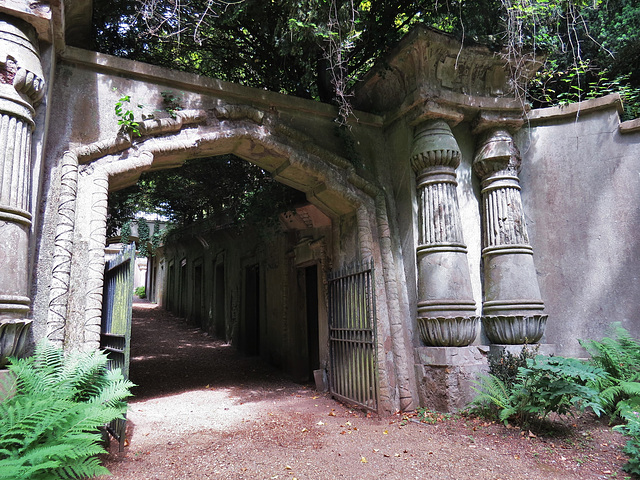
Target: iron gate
353,375
115,332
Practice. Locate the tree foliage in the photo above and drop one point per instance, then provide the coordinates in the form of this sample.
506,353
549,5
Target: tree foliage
225,188
319,48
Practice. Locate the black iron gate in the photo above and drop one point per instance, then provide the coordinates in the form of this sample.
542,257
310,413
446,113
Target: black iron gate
353,375
115,333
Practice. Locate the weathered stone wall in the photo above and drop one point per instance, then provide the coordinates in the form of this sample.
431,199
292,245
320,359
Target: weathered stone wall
296,140
581,191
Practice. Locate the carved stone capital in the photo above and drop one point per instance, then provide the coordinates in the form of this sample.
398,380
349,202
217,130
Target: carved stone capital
22,83
434,146
497,154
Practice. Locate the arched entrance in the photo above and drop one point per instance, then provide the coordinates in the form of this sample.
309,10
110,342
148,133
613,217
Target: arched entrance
355,206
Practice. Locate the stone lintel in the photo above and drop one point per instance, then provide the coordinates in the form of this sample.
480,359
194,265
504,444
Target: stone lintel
451,356
489,120
547,349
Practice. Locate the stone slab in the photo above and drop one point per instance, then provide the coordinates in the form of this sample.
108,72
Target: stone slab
450,356
445,375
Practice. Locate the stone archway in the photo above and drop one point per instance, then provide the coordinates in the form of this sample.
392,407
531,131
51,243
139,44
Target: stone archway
329,182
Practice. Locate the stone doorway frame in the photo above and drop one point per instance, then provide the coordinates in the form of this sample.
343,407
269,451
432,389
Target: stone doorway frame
88,172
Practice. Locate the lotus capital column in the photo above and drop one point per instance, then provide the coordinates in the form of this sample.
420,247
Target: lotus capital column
512,307
21,88
446,309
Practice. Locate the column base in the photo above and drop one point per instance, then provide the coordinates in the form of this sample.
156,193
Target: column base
448,331
445,375
514,329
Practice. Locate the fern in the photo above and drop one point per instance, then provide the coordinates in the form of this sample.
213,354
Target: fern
493,396
49,428
545,385
619,356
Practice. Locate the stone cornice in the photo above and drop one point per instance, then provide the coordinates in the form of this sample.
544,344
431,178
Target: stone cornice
263,99
431,75
544,115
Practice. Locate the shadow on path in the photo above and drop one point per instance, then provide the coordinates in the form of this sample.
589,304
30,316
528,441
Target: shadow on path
169,356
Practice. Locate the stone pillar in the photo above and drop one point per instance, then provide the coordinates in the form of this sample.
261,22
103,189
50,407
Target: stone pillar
512,307
21,87
446,309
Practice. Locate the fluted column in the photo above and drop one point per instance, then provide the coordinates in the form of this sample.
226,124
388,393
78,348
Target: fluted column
21,87
512,307
445,300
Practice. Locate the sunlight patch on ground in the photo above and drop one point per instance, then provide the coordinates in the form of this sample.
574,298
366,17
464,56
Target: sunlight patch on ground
218,410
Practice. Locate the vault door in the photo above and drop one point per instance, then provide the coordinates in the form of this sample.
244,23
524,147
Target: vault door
251,340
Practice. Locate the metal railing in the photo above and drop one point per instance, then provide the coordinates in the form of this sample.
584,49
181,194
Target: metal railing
115,331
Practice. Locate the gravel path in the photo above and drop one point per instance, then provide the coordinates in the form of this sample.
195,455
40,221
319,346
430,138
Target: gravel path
203,411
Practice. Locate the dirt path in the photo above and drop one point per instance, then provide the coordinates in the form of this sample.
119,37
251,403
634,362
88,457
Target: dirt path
203,411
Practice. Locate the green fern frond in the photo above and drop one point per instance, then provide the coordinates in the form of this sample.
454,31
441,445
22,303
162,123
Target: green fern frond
48,429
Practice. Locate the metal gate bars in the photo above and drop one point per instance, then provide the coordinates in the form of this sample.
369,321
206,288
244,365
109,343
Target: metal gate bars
353,374
115,333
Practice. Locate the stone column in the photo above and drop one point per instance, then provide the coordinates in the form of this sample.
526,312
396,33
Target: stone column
21,87
512,307
446,309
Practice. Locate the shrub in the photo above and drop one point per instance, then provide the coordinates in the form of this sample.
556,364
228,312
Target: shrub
506,365
545,385
140,292
49,428
619,356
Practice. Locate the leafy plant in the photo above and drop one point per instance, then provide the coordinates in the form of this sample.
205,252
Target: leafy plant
49,427
126,117
143,237
493,398
125,232
557,384
619,356
140,292
630,412
171,103
545,385
506,365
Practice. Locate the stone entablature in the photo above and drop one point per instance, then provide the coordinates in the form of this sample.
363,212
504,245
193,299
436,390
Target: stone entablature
430,75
